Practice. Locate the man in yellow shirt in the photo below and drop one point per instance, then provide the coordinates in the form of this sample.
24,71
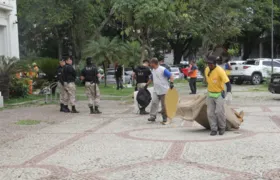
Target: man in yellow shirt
217,79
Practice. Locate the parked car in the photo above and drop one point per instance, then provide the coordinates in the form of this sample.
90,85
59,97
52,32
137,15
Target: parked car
238,62
254,70
199,78
112,80
274,85
128,71
175,71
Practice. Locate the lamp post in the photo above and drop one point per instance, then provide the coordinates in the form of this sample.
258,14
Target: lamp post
272,35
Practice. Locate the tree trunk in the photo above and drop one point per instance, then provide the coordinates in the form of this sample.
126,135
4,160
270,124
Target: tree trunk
59,45
4,86
178,53
247,49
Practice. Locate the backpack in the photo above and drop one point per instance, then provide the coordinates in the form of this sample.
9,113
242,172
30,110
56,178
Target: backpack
143,98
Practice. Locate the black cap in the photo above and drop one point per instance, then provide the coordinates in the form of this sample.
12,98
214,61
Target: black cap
89,60
61,59
212,59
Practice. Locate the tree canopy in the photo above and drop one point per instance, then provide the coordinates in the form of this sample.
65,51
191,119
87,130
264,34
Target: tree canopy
141,28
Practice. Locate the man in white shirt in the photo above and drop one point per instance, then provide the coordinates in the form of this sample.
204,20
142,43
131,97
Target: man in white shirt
160,78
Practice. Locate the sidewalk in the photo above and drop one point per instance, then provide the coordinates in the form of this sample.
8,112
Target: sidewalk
120,145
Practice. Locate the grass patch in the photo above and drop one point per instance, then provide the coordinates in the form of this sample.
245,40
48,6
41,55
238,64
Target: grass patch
22,100
28,122
110,90
261,88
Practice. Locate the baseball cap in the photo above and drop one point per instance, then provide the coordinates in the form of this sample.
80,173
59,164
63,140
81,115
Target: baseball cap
211,59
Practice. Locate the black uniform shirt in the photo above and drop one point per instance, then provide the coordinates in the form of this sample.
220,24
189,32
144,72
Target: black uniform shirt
69,73
90,73
59,71
142,74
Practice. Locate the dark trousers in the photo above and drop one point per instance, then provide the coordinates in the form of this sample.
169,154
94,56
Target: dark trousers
119,82
193,85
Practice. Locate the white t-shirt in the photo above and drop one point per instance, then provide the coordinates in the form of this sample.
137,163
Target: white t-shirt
160,78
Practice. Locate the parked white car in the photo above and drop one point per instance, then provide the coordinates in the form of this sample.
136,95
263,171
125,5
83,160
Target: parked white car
175,71
254,70
112,80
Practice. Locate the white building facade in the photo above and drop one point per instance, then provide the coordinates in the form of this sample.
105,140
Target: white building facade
9,43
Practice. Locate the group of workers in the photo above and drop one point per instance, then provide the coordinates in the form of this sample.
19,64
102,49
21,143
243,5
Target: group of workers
151,71
162,79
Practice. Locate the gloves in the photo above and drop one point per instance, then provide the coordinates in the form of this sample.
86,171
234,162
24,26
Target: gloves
146,86
171,85
228,98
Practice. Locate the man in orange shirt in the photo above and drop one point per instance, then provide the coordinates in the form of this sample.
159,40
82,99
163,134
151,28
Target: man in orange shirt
193,77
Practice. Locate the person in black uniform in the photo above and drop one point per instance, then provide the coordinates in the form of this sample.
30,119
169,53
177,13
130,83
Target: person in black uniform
142,74
69,77
119,76
90,76
60,84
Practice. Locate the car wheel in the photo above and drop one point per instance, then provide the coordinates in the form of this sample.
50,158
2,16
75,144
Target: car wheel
256,79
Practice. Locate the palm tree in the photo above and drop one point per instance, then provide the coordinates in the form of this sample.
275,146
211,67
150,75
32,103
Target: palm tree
105,51
132,53
8,67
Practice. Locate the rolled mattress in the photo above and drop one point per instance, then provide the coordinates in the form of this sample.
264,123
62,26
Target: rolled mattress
194,108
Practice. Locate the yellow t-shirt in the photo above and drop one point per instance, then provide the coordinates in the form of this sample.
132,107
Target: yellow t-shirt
216,79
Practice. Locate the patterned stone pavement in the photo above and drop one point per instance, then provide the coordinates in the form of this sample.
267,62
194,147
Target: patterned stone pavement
121,145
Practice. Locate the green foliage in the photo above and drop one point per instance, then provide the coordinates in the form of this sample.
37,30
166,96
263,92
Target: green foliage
8,68
18,88
132,53
201,64
40,83
48,66
104,50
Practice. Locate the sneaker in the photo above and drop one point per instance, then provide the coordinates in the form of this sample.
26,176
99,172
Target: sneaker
152,119
222,132
213,133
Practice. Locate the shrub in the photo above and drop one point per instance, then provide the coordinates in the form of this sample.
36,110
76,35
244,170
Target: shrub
40,83
18,88
201,64
8,68
48,66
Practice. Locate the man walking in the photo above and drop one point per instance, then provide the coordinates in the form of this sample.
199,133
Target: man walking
142,74
193,77
60,84
119,76
90,77
217,79
159,77
69,77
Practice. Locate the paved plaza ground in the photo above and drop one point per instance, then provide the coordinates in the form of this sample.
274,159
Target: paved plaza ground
122,145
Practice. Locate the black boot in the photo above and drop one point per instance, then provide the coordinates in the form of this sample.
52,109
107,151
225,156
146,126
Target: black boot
61,107
74,110
65,109
91,110
143,111
97,110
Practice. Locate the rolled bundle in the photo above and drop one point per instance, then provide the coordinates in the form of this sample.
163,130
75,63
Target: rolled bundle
194,108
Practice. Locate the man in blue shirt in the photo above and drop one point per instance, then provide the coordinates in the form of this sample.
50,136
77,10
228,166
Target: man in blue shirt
159,77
